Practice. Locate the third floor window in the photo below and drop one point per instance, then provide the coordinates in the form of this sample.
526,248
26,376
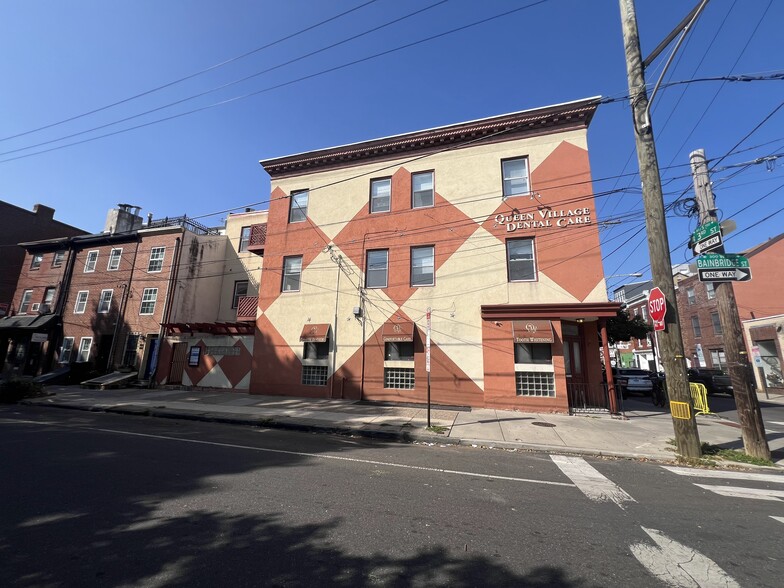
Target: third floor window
156,259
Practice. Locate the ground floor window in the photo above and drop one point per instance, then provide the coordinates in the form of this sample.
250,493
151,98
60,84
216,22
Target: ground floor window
534,375
399,378
718,359
535,383
84,349
65,350
770,363
315,375
130,356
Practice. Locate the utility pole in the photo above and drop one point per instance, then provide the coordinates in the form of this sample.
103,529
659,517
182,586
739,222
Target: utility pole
746,401
670,340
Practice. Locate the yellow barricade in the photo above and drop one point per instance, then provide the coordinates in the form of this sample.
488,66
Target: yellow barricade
699,398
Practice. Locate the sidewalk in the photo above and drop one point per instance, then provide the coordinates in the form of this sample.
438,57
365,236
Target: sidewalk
645,432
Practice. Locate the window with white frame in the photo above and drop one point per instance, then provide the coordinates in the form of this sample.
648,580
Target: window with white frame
717,330
240,289
690,296
114,260
85,343
710,289
36,261
92,259
422,190
244,239
156,259
130,355
515,176
644,311
65,350
58,258
520,260
423,266
718,359
298,206
105,301
149,298
376,275
292,274
24,303
48,298
534,372
81,301
380,195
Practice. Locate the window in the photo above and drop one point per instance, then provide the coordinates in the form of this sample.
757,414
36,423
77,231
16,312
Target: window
718,359
711,290
377,267
520,260
380,195
36,262
24,304
399,351
315,375
690,296
422,266
81,301
149,298
298,211
84,349
156,259
244,239
318,350
716,323
422,193
515,175
105,301
131,345
114,260
240,289
536,353
399,378
92,259
65,350
48,299
644,310
535,384
292,272
695,326
59,256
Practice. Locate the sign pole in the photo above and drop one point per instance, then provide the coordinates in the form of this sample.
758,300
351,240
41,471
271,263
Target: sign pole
427,365
752,428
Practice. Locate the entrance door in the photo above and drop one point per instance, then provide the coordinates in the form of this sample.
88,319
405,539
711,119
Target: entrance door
104,349
151,356
582,394
179,354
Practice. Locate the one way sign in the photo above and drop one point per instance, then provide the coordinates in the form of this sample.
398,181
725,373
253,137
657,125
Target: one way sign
735,274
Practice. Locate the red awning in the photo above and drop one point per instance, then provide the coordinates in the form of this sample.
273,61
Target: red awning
532,331
314,333
398,331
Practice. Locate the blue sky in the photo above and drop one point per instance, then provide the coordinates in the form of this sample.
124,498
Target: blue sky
63,59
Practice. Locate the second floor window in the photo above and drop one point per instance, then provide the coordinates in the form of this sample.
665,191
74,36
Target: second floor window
92,259
81,301
520,260
36,262
717,330
298,211
105,301
292,272
377,269
711,290
240,289
422,266
156,259
690,296
422,193
695,326
24,304
515,176
149,298
380,195
48,298
114,260
244,239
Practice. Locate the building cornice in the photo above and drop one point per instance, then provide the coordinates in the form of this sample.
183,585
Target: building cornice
506,127
548,311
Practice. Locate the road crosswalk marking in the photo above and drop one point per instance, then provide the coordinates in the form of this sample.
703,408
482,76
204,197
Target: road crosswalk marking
779,519
742,492
593,484
727,475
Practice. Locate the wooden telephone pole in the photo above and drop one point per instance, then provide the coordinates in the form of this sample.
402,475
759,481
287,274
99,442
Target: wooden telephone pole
670,340
746,401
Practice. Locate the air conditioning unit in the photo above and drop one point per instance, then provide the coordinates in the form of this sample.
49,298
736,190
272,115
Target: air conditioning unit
35,306
44,309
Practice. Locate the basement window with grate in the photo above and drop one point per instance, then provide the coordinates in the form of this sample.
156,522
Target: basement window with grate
534,372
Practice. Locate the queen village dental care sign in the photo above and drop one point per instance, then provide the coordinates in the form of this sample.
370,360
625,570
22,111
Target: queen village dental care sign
544,218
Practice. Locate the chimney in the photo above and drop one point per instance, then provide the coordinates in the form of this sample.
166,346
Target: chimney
44,212
123,219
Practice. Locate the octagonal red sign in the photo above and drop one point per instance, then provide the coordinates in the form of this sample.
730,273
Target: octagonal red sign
657,307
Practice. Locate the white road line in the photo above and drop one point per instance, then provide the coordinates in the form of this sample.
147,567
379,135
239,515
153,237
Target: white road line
593,484
679,566
779,519
298,453
740,492
727,475
776,423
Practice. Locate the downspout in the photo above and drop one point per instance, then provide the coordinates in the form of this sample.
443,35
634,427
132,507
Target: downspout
170,289
62,295
335,331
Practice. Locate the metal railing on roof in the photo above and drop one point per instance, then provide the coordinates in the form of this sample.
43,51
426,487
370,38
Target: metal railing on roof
184,222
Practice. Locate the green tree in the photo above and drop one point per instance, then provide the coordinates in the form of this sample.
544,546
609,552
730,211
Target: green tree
623,328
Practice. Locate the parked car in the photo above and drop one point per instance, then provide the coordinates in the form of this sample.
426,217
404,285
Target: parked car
715,381
630,380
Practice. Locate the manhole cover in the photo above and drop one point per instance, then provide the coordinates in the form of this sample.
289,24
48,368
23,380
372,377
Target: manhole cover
541,424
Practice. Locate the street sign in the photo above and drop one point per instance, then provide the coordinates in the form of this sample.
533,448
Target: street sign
723,267
657,307
707,237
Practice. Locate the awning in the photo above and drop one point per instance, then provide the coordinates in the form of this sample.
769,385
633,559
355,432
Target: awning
403,331
532,331
32,322
211,328
314,333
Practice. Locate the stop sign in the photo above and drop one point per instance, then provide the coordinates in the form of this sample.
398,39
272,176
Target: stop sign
657,306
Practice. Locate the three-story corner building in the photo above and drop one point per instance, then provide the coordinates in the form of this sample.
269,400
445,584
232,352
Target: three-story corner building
482,234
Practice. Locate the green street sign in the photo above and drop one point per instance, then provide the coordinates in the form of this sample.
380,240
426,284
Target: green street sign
707,237
722,261
705,231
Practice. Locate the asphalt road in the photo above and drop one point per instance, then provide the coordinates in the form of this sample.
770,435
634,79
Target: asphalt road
107,500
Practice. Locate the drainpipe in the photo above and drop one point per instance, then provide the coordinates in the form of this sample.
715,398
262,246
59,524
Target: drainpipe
335,331
170,289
